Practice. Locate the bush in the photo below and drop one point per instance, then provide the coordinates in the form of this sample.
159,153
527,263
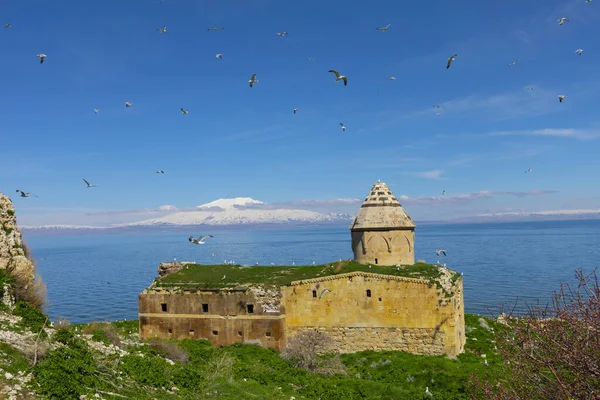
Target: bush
33,294
66,373
103,332
146,368
303,349
170,350
5,279
551,352
32,318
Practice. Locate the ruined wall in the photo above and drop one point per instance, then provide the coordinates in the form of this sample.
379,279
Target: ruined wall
364,311
384,247
224,317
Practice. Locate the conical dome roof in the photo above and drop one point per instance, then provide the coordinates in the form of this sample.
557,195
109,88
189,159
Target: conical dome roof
381,210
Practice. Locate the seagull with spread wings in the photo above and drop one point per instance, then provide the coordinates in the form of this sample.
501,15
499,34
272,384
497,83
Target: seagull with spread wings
563,20
252,80
440,251
200,239
342,127
163,29
42,57
184,111
88,184
384,28
339,77
24,194
450,59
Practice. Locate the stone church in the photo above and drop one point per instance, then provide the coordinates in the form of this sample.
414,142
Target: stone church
383,303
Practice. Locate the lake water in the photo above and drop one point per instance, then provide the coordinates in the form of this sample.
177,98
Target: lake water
98,278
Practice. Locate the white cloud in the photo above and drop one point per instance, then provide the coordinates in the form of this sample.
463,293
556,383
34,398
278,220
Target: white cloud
467,197
434,174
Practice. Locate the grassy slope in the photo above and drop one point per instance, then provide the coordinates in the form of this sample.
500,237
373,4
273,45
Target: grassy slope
248,372
209,276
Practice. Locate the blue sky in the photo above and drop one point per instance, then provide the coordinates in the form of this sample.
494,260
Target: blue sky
242,141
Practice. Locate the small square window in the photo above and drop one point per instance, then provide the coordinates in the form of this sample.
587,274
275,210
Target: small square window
170,331
163,307
250,308
268,334
215,333
191,332
380,299
204,307
240,333
314,293
368,292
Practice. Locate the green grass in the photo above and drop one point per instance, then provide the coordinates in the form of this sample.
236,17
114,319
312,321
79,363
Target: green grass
209,276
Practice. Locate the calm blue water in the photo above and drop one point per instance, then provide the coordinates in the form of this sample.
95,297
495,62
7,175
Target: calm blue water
99,277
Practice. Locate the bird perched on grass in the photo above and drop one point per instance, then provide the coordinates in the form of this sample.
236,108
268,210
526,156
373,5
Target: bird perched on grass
323,292
88,184
384,28
296,110
127,104
427,392
23,194
163,29
342,127
223,278
184,111
252,80
281,33
339,77
219,56
440,251
200,239
561,97
42,57
563,20
579,51
450,59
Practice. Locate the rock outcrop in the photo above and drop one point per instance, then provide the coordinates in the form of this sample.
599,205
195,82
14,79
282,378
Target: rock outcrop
13,257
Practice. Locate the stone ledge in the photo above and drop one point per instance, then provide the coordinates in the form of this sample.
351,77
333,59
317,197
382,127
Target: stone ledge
363,274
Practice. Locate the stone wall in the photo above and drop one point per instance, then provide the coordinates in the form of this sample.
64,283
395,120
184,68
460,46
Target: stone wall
389,247
377,306
224,317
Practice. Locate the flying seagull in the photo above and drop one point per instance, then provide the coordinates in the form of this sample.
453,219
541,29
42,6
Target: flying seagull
339,77
528,170
438,106
440,251
200,239
42,57
7,25
163,29
587,1
579,51
450,59
219,56
310,59
96,111
184,111
512,64
563,20
343,127
127,104
384,28
160,171
296,110
215,29
23,194
252,80
561,98
529,88
392,78
88,184
281,33
323,292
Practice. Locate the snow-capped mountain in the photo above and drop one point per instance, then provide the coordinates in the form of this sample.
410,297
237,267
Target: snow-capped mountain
241,210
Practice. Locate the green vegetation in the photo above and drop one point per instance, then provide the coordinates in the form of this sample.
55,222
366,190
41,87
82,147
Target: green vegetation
10,212
194,369
209,276
32,318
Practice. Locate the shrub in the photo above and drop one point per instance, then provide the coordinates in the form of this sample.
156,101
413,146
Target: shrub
33,294
103,332
5,280
62,323
66,373
551,352
303,349
170,350
32,318
146,369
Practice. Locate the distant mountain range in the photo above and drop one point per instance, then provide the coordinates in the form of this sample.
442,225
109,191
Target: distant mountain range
243,212
237,212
